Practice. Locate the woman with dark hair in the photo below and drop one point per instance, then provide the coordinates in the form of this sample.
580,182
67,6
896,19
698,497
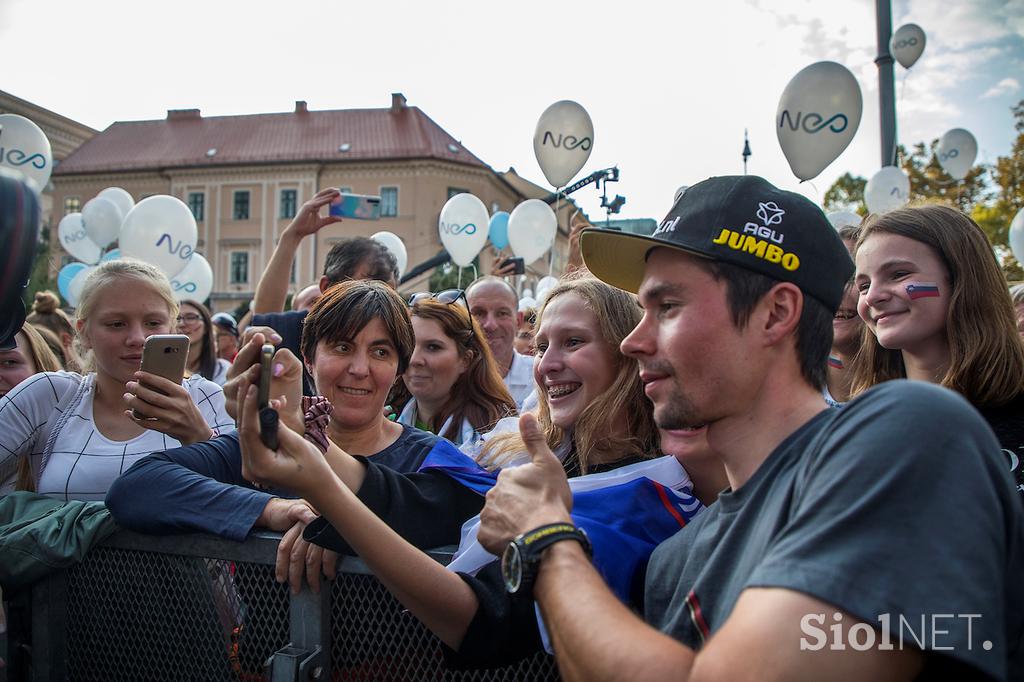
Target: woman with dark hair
194,321
938,310
356,340
452,386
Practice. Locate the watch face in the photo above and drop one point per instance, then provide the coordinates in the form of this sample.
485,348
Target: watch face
512,568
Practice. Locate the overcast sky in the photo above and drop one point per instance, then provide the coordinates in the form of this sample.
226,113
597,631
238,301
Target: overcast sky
670,86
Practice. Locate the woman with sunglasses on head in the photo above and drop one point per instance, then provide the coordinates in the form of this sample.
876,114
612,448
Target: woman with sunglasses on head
452,386
194,321
938,310
592,412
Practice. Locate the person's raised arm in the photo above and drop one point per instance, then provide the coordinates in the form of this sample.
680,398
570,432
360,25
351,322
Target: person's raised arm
439,598
271,290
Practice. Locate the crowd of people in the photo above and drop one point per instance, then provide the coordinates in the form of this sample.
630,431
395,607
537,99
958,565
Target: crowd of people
810,513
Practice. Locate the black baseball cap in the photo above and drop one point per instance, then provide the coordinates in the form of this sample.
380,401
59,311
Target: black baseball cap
738,219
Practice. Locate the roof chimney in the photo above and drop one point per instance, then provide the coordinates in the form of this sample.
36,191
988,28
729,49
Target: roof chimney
300,106
182,114
397,102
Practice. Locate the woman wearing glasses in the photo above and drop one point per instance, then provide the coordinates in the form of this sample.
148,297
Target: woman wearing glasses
452,386
194,321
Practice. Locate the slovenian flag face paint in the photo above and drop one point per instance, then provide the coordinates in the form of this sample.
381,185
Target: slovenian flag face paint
917,290
834,361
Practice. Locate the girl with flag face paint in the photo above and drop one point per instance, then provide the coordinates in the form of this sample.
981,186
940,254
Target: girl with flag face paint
596,418
938,309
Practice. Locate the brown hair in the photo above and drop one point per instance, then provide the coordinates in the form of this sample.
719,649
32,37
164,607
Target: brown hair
47,314
986,363
208,355
479,395
618,314
345,308
45,361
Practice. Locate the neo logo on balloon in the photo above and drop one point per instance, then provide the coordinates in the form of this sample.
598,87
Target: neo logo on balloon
187,286
568,142
812,122
77,236
454,228
16,157
182,250
951,154
909,42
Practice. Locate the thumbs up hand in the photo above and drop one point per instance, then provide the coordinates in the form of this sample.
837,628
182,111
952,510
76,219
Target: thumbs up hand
526,496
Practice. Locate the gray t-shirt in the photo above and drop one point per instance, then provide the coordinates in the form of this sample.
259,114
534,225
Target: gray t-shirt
896,509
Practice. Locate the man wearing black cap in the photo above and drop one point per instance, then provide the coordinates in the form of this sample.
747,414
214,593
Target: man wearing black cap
880,541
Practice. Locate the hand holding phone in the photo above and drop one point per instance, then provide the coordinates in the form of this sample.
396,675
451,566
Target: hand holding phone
358,206
164,355
519,267
268,415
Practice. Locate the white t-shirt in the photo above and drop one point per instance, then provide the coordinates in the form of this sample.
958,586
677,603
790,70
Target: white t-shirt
519,380
84,462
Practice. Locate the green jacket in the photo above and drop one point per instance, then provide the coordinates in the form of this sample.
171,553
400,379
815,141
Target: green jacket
40,534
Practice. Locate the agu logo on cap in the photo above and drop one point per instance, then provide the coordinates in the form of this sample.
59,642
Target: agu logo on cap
756,239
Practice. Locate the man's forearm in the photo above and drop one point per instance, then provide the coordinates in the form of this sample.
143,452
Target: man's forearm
595,636
272,288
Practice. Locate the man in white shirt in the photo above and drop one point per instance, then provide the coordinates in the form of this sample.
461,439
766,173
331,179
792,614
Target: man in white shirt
494,305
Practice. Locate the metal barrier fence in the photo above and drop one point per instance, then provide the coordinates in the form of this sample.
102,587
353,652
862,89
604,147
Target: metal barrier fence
196,607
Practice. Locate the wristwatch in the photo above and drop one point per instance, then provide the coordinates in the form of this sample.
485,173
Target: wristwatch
521,559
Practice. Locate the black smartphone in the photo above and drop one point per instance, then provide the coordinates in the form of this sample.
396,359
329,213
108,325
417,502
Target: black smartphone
520,266
268,415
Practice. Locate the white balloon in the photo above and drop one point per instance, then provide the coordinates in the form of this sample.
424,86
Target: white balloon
887,189
907,44
546,282
1017,236
463,227
72,236
160,230
818,115
195,281
957,151
74,291
25,148
843,218
393,243
531,229
562,141
119,196
527,302
102,219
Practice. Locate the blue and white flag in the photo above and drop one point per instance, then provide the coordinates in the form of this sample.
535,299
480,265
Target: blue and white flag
626,513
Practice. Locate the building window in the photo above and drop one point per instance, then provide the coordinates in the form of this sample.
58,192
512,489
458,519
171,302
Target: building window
452,191
197,204
388,202
289,197
72,205
239,267
241,211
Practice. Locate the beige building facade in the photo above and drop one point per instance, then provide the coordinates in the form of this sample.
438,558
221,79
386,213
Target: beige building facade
243,203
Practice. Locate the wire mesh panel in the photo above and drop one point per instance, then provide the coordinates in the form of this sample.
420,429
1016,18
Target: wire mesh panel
374,638
136,615
175,613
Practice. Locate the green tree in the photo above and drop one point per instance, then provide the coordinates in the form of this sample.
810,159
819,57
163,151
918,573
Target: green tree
39,278
846,194
447,276
930,183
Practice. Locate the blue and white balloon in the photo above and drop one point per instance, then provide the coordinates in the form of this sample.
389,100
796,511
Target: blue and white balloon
25,148
957,151
160,230
463,228
818,115
72,236
195,281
